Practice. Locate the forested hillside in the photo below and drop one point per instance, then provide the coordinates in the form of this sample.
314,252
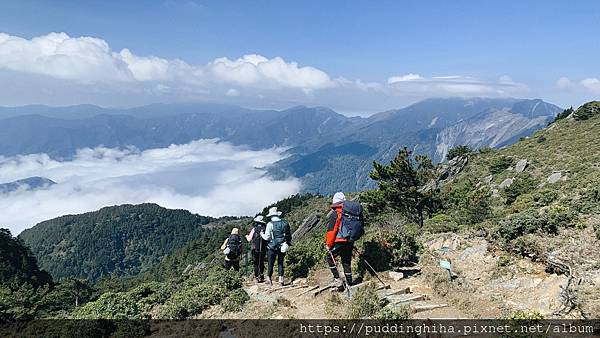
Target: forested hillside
122,240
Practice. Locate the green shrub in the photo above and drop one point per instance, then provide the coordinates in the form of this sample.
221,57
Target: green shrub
503,261
459,151
304,255
390,249
530,221
441,223
235,300
587,111
388,314
520,186
467,203
544,197
526,315
111,305
499,164
364,303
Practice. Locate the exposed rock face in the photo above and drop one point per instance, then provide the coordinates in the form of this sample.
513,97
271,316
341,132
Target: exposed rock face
521,165
308,225
446,173
506,183
488,179
555,177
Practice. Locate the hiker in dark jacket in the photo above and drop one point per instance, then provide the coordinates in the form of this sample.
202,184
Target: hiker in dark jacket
232,248
279,235
259,248
336,244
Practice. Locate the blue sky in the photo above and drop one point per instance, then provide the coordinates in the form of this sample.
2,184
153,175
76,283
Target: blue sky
522,47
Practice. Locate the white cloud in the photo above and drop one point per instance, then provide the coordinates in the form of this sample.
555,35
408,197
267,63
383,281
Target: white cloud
58,69
405,78
592,84
91,59
443,85
205,176
232,92
564,83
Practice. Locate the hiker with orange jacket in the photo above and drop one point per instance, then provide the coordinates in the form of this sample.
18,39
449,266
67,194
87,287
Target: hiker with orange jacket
344,227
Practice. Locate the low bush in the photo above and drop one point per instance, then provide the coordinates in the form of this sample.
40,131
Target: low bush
441,223
364,303
235,300
305,255
521,185
499,164
388,314
532,221
466,203
390,249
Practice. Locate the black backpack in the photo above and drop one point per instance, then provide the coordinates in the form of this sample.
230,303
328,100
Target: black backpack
257,241
352,227
234,243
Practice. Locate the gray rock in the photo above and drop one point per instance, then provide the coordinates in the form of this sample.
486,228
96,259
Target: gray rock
396,275
555,177
488,179
506,183
495,193
308,225
521,165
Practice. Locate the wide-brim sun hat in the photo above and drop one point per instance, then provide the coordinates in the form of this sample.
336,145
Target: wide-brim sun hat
273,212
235,231
259,219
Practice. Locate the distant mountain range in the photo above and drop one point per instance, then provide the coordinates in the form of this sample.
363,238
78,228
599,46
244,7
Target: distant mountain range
30,183
329,151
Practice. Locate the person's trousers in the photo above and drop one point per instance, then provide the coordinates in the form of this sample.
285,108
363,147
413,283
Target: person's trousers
272,255
258,259
232,264
344,250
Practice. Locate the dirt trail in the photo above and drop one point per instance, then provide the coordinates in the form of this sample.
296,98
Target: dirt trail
486,283
298,300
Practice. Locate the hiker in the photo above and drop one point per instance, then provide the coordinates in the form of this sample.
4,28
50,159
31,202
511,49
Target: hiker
279,235
232,248
259,248
344,227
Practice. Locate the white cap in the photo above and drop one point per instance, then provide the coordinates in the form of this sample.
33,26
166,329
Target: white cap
339,197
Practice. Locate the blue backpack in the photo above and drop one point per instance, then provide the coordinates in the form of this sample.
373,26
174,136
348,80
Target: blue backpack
352,227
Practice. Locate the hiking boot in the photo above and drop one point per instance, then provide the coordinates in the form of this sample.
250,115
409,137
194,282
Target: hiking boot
338,284
261,279
258,280
281,281
268,281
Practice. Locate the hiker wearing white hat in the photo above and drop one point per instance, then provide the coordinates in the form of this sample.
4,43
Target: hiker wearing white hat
279,235
344,227
259,248
232,248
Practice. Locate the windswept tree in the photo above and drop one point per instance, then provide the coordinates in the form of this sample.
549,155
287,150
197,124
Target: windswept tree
402,185
457,151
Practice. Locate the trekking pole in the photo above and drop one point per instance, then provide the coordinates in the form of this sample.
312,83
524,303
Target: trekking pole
344,282
372,270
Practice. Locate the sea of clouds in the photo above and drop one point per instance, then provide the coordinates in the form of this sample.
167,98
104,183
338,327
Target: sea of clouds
207,177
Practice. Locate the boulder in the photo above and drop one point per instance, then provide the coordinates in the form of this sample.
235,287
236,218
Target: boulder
445,173
307,226
521,165
555,177
396,275
506,183
487,179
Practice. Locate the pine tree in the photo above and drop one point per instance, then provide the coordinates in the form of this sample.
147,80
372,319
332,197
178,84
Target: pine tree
401,182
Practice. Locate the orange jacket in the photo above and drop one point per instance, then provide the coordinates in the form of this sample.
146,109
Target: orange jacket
333,226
